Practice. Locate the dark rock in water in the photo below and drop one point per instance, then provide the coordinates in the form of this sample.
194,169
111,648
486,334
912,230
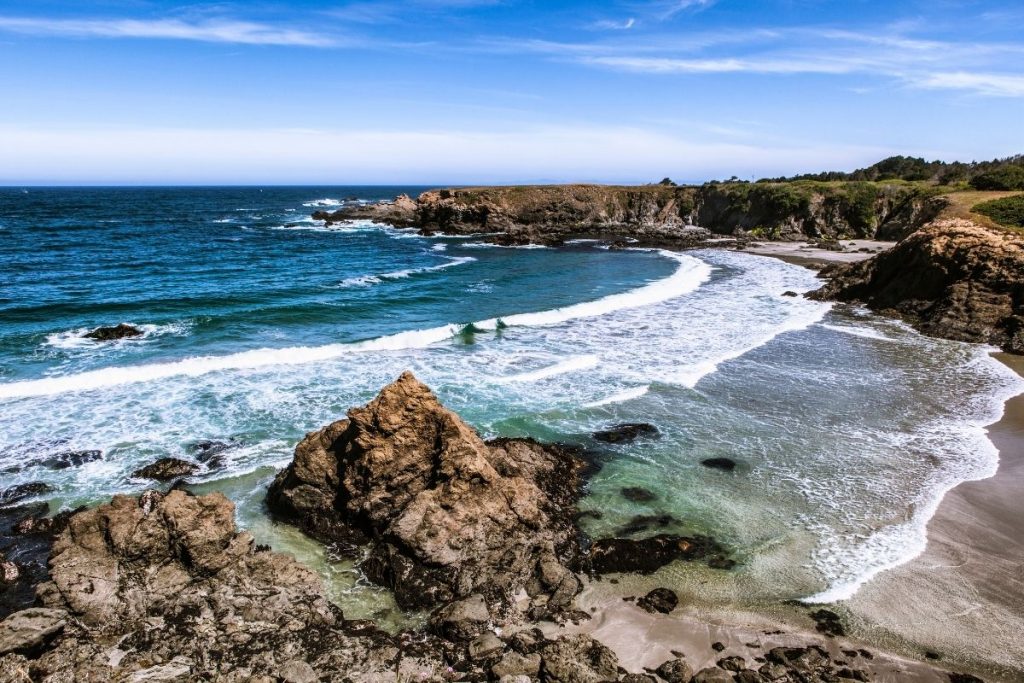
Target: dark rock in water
122,331
638,494
790,293
642,523
676,671
828,623
627,431
43,525
26,535
647,555
166,469
20,492
659,600
67,459
724,464
717,646
211,452
451,514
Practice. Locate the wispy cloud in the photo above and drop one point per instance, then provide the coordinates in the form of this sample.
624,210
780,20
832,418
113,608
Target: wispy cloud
997,85
726,65
610,25
666,9
210,31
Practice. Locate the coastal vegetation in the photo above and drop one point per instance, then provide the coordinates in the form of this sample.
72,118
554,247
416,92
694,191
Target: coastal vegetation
1008,211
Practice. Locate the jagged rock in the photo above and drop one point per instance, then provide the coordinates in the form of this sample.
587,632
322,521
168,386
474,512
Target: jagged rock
20,492
734,663
9,572
185,595
515,664
29,631
952,279
114,332
166,469
450,514
749,676
724,464
463,619
627,431
661,600
676,671
578,659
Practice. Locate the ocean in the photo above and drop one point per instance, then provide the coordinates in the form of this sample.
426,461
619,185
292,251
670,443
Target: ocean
261,324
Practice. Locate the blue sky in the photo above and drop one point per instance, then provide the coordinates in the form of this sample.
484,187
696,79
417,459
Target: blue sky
488,91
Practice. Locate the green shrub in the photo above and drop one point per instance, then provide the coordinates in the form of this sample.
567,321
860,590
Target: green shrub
1006,178
1006,211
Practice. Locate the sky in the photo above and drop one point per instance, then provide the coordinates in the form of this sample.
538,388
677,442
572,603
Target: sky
499,91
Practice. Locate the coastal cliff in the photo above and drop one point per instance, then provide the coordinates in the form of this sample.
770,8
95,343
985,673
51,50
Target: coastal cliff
953,279
663,213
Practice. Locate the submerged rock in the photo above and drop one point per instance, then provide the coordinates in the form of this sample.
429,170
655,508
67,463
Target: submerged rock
644,556
450,515
114,332
68,459
724,464
166,469
638,494
627,431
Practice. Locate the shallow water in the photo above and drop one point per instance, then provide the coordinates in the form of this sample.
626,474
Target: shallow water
261,324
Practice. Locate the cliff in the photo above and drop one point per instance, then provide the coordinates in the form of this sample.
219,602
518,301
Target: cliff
953,279
663,213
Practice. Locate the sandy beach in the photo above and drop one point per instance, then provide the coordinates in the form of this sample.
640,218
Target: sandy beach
964,597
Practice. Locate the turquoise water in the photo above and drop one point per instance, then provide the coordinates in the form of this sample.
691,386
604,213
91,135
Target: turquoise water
262,324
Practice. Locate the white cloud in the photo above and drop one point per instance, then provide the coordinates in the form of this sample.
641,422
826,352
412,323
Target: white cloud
552,153
609,25
212,31
724,65
997,85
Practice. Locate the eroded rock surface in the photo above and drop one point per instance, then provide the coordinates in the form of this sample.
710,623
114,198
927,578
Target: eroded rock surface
953,279
450,514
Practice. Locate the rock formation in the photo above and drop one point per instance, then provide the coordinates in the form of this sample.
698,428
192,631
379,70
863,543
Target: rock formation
953,279
450,514
114,332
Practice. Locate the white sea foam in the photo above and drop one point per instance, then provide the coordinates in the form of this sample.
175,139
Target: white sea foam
323,203
565,366
367,280
859,331
620,397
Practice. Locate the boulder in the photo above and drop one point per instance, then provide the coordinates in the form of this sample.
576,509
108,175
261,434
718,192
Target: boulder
166,469
661,600
29,631
462,620
68,459
647,555
114,332
450,515
578,659
676,671
638,494
724,464
712,675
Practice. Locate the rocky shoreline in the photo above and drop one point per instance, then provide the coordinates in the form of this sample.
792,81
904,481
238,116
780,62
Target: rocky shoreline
484,535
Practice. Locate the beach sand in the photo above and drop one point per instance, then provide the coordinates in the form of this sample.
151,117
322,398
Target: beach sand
806,254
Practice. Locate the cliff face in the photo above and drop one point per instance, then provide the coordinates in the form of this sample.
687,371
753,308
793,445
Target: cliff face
953,279
660,213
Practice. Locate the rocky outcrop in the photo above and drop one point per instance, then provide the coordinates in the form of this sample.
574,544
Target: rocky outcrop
954,279
660,214
450,515
163,587
166,469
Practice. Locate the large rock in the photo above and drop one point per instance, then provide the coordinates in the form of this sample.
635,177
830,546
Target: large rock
451,515
166,469
163,587
114,332
27,631
578,659
953,279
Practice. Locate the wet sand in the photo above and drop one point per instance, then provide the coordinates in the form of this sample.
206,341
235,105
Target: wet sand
806,254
